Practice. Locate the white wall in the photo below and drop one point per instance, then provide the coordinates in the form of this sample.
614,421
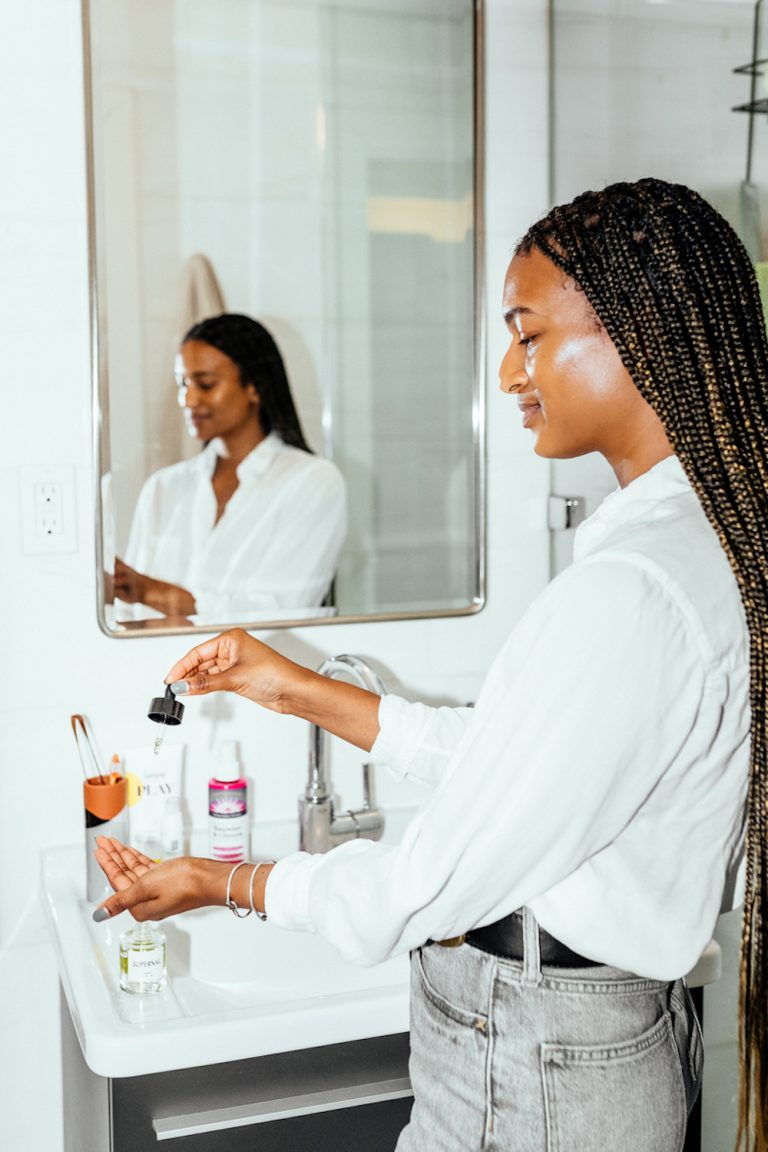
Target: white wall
56,661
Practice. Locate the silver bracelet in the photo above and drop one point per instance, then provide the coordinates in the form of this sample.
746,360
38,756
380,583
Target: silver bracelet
231,903
261,915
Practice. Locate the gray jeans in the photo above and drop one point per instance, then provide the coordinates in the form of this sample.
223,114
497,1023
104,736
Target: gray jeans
509,1055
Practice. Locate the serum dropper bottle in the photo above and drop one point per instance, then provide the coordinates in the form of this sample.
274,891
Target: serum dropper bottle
142,958
143,948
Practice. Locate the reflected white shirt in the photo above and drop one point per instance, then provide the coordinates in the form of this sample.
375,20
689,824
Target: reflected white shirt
276,546
601,778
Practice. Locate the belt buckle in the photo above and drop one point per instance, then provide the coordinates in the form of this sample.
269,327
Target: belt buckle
452,941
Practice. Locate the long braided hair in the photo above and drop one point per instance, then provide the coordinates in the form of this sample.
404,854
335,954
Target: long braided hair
251,347
675,290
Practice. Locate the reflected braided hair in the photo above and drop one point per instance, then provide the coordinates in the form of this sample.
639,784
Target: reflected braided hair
676,292
248,344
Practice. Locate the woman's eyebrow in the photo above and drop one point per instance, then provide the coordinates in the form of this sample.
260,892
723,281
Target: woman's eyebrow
520,310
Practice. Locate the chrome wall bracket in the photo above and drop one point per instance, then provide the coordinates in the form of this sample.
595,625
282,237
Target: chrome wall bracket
565,512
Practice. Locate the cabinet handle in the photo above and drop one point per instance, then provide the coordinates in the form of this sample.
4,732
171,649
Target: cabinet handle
265,1111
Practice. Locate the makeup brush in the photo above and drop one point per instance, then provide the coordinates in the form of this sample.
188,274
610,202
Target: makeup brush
80,726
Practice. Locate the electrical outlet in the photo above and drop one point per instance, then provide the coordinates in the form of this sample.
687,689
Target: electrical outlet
49,520
47,503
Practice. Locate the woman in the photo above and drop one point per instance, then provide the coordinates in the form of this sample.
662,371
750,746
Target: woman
255,522
587,824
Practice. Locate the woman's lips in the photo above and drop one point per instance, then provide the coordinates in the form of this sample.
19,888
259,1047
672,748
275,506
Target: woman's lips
530,412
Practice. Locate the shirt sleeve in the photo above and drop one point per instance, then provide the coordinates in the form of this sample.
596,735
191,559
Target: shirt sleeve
416,741
586,707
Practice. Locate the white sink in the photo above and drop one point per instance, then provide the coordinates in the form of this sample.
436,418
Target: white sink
218,959
236,988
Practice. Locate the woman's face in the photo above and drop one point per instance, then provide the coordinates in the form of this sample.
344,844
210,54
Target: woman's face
574,393
214,401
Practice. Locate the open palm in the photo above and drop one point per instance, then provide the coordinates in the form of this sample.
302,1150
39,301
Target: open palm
122,865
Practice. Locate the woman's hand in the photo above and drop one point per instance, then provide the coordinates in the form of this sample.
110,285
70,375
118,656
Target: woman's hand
134,587
152,891
127,583
237,662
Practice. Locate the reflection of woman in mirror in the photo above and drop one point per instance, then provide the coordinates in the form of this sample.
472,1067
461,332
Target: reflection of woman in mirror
256,521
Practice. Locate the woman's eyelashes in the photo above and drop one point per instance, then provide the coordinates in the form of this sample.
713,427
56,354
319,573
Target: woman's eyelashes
200,385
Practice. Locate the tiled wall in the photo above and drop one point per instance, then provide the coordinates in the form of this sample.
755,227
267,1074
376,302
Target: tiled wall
56,660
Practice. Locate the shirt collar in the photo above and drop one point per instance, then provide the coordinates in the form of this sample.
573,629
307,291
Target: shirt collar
255,463
643,497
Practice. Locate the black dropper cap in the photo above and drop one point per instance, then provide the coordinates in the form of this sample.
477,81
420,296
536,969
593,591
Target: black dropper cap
166,709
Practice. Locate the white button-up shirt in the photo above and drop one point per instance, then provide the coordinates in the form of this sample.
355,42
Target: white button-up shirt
601,778
276,546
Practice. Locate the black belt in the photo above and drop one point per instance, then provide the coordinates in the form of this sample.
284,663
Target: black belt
505,939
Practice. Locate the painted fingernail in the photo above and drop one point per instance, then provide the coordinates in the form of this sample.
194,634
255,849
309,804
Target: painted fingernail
179,687
101,914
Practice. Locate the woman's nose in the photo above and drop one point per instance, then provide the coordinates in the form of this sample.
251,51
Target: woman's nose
184,397
512,374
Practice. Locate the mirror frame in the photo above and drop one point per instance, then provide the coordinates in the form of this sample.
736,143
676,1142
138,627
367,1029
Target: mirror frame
100,382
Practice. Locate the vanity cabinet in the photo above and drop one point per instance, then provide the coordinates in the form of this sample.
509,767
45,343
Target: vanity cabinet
339,1098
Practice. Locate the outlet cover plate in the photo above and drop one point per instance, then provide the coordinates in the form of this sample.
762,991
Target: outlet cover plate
47,509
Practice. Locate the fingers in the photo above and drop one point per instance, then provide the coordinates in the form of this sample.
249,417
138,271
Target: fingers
122,853
118,876
111,863
206,661
132,899
121,865
128,871
162,890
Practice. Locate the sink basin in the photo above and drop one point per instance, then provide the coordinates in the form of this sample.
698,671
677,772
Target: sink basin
255,963
236,988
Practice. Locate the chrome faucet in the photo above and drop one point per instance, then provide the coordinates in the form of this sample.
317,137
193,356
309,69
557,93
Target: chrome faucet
321,826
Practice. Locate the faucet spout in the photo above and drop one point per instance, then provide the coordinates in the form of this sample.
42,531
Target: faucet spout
318,784
321,828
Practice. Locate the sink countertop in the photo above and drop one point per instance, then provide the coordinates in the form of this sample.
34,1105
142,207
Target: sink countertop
236,989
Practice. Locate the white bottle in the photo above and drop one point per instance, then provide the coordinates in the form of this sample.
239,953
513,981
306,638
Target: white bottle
228,807
173,829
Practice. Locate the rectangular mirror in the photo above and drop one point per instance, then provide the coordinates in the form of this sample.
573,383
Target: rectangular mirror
287,314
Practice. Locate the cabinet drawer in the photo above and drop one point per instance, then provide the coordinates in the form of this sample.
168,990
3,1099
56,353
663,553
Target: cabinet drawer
343,1096
372,1127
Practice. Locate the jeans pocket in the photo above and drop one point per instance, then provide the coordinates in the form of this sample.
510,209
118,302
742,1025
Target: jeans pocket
599,1098
450,1052
688,1039
429,969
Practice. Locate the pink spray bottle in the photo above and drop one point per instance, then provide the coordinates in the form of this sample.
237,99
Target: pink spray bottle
228,807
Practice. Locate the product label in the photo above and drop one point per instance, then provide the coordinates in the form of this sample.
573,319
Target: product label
228,804
147,966
228,835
